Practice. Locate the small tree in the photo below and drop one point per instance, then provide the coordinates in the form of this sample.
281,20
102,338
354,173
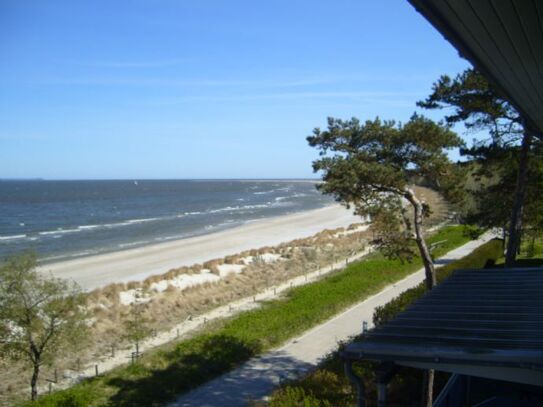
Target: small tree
371,166
136,326
39,316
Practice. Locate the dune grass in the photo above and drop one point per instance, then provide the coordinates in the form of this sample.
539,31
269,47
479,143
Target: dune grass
162,374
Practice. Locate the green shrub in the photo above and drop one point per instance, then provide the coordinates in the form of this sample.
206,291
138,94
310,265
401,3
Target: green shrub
79,396
472,231
297,397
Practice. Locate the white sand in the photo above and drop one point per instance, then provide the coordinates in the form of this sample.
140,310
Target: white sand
137,264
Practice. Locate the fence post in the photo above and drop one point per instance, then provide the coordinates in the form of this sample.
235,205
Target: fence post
96,370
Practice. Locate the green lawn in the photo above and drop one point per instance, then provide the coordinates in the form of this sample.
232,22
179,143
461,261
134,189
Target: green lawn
162,374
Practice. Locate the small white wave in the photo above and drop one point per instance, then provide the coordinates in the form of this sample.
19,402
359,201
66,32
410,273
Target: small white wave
173,237
12,237
86,227
267,205
81,228
71,255
240,208
59,231
225,209
132,244
131,221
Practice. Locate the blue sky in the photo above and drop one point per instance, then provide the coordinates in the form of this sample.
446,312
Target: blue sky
201,89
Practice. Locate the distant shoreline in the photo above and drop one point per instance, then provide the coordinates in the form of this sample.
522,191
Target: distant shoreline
139,263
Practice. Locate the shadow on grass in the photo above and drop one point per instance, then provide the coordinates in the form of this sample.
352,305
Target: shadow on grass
183,369
251,382
443,261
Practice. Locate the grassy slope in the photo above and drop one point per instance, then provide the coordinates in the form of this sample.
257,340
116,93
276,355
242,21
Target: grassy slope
163,374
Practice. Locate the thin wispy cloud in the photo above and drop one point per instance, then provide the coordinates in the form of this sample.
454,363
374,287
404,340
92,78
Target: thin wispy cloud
359,96
299,81
159,82
159,63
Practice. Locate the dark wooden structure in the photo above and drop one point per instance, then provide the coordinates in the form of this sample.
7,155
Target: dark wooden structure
485,323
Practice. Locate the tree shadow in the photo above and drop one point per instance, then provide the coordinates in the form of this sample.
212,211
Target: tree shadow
252,381
189,366
184,368
443,261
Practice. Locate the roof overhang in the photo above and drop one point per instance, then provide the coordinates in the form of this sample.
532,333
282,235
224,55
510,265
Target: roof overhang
503,39
485,323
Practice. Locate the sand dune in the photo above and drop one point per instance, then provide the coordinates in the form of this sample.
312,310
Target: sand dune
139,263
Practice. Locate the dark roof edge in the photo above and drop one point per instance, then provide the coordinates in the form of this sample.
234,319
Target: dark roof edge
427,9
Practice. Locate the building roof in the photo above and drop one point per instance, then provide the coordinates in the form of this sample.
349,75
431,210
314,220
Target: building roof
486,323
503,39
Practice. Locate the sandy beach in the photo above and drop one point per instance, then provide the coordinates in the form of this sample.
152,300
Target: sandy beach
137,264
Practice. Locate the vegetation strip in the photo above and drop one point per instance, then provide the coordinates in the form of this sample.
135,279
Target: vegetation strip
161,375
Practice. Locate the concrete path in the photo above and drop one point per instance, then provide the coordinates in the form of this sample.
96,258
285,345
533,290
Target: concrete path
259,376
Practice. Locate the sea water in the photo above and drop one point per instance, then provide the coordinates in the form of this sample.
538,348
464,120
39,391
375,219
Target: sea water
62,220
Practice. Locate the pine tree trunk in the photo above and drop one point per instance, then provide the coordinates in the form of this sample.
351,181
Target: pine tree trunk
515,225
430,279
34,381
430,273
428,395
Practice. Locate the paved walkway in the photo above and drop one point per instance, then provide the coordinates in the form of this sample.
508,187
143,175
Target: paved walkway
259,376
